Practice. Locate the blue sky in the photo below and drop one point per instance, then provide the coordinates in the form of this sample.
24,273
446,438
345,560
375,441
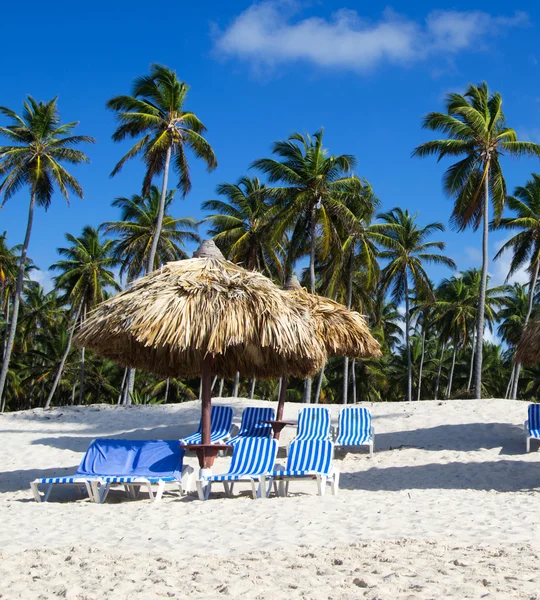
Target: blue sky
258,72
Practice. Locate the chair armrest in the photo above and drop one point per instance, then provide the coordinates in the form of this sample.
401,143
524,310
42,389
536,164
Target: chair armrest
333,434
526,426
372,430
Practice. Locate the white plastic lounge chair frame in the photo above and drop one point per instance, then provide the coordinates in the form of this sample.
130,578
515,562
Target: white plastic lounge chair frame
355,429
307,459
252,461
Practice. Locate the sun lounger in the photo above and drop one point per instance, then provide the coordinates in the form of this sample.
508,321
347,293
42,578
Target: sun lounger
355,428
313,424
221,421
130,463
308,459
252,460
252,424
532,425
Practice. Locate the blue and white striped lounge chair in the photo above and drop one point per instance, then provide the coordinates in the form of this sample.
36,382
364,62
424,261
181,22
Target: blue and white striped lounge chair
355,428
308,459
252,460
532,425
130,463
252,424
313,424
220,426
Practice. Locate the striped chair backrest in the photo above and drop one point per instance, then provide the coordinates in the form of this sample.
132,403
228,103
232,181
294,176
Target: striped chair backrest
252,421
354,420
220,419
310,455
534,416
313,424
253,456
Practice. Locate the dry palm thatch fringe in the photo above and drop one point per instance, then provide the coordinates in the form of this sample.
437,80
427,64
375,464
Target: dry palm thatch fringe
343,332
528,349
170,320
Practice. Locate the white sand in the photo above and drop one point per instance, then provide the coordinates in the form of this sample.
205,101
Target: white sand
448,508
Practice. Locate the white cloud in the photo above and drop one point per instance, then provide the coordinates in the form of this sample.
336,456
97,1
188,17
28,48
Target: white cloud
268,33
44,278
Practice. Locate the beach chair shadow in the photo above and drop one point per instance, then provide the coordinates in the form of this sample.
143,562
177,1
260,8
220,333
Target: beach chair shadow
465,437
498,476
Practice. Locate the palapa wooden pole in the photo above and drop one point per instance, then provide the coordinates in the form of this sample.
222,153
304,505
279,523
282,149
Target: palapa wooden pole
206,398
281,403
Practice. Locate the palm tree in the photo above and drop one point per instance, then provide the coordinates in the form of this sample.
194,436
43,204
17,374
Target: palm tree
312,194
454,310
134,233
407,250
85,273
525,245
243,226
476,130
311,198
515,309
155,111
355,261
40,144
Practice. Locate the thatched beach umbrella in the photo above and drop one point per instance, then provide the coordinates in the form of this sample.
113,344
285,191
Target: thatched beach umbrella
528,349
205,316
343,332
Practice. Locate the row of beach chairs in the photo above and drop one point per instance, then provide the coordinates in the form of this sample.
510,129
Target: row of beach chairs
143,464
314,423
138,464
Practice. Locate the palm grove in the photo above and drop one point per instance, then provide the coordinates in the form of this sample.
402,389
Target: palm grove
301,206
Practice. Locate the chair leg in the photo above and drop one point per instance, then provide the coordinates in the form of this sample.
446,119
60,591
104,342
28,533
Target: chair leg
321,485
372,443
527,444
253,489
282,488
200,490
335,483
35,491
160,490
47,492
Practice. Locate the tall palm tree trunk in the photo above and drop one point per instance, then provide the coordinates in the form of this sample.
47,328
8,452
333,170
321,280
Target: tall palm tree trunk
510,382
121,394
221,382
312,231
167,384
6,332
438,379
532,291
473,349
252,390
346,359
353,374
236,385
63,361
451,377
16,303
161,212
421,361
482,294
319,386
81,378
407,339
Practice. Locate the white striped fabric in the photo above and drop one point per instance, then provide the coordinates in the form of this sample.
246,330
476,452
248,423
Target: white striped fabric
354,427
252,424
251,457
534,420
313,424
220,425
308,457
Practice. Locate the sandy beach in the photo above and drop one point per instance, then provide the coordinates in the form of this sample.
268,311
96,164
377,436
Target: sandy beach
447,508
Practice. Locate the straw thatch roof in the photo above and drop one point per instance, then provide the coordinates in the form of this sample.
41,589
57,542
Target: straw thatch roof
343,332
528,349
169,320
